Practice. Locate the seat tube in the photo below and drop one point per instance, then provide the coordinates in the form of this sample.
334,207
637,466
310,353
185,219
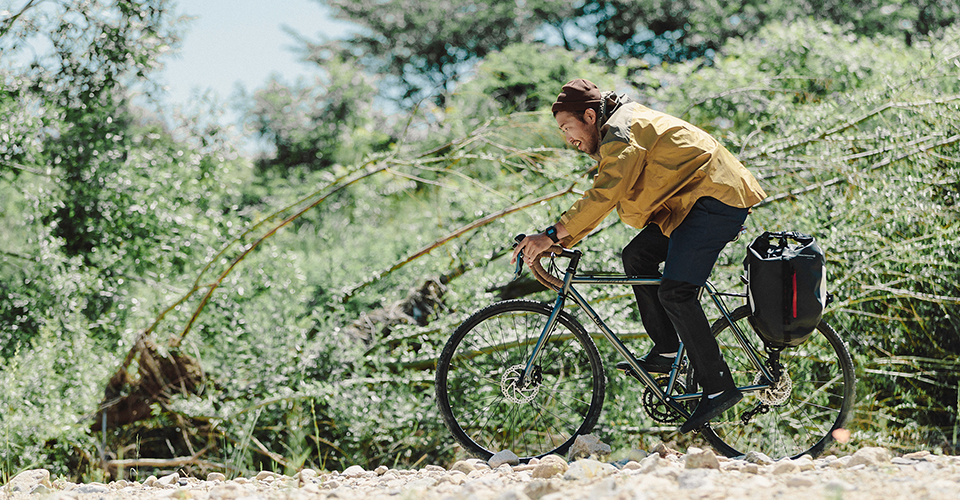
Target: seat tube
747,347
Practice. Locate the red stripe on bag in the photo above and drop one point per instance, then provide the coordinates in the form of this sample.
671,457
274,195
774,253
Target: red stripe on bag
794,295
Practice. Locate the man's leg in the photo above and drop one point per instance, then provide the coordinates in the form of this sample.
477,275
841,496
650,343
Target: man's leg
693,250
686,313
642,257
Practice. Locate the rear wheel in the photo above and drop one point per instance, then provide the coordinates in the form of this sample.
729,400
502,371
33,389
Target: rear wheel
478,391
813,396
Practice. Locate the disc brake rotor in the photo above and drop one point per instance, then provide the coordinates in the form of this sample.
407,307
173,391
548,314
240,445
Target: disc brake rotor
517,394
776,394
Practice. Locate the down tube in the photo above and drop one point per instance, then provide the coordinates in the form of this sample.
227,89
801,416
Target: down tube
617,344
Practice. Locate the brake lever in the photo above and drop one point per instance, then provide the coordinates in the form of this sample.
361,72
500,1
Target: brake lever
517,239
519,269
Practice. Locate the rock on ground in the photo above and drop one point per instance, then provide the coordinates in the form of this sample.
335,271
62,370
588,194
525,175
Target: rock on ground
586,446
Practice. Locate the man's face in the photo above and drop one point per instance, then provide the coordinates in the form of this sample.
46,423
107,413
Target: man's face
582,134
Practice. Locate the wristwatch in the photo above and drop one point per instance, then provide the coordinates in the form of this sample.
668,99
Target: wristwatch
551,232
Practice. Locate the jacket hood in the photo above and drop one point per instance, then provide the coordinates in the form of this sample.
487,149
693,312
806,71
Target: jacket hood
609,104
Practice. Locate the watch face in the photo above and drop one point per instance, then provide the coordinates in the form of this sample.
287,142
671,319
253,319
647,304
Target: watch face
552,233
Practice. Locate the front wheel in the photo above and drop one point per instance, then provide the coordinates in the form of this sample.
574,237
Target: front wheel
482,399
813,397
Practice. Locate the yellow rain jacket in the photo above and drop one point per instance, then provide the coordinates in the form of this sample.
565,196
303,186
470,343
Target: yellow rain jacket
652,168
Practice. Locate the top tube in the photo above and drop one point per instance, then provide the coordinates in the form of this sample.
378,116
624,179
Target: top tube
605,279
614,279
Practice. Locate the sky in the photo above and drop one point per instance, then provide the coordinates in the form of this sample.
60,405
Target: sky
243,42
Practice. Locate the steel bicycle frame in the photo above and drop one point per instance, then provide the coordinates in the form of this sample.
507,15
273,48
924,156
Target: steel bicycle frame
567,290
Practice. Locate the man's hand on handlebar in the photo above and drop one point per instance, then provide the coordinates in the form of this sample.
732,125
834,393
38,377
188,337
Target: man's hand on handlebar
535,244
530,247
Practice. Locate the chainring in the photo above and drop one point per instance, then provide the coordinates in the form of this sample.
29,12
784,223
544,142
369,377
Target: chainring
657,409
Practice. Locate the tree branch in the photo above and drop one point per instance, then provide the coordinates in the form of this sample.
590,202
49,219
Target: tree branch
910,294
253,246
787,144
24,168
164,463
7,23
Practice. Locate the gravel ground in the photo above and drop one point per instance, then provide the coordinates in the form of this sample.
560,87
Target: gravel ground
870,473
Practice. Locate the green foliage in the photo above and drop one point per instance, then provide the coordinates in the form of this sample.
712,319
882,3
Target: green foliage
522,77
782,68
47,390
93,58
677,31
426,46
102,206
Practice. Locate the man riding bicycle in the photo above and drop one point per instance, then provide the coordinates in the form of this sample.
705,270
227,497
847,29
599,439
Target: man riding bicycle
687,194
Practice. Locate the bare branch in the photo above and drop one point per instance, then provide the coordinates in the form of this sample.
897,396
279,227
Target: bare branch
164,463
899,292
453,235
268,234
17,255
25,168
786,144
726,93
840,179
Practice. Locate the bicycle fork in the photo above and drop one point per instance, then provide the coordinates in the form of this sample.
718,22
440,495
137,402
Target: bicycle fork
541,341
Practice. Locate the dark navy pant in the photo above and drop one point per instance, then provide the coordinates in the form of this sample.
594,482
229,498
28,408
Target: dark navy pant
671,311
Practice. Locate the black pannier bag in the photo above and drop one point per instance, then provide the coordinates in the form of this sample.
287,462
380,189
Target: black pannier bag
786,287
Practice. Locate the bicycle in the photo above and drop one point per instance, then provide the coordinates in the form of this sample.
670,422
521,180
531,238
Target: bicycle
526,376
